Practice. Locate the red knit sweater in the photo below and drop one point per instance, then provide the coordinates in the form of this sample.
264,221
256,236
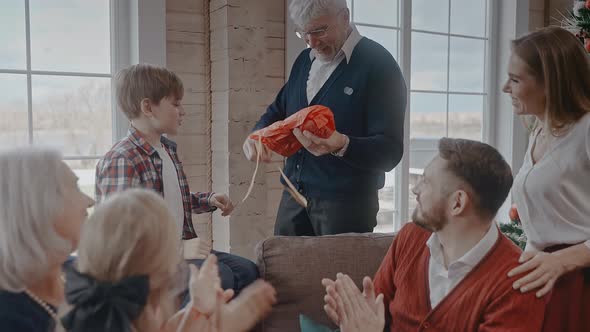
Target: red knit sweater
483,301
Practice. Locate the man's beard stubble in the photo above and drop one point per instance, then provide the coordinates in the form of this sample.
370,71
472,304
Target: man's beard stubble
433,222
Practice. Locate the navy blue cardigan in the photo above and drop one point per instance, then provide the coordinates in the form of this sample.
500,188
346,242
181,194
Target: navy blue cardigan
372,116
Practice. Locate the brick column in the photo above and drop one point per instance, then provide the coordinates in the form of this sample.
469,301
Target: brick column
247,54
186,55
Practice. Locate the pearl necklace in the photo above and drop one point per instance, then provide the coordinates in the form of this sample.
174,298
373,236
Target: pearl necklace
43,305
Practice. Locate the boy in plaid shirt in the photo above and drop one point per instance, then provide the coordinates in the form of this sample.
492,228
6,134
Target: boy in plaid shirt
151,97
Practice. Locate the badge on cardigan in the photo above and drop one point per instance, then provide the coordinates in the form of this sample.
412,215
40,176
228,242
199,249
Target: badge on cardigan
348,90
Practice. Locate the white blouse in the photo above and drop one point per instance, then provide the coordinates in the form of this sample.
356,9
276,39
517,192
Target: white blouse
553,195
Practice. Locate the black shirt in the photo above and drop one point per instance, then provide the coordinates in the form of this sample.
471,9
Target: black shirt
20,313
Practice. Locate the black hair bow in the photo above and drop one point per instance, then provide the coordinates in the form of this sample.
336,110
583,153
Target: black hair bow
103,306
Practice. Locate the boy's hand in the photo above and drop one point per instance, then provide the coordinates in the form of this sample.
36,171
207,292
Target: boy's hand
222,202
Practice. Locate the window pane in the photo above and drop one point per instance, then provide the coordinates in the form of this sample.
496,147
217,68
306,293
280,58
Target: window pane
385,37
70,35
381,12
415,174
422,150
466,116
386,214
13,111
85,171
430,15
428,115
13,53
72,114
467,66
468,17
429,62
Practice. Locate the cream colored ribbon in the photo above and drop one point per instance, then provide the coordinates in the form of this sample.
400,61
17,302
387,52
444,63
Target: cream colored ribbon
290,187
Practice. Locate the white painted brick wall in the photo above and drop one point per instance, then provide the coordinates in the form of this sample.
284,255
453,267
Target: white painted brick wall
248,69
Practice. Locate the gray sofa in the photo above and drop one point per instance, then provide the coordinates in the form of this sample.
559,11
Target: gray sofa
296,265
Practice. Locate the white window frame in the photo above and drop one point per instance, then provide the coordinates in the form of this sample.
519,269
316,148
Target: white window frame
138,35
402,171
120,58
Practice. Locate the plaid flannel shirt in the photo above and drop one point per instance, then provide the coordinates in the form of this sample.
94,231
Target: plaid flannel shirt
134,163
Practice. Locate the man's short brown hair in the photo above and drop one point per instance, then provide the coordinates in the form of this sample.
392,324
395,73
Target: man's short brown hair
142,81
481,167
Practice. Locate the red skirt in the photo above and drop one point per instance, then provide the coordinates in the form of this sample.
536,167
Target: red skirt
568,309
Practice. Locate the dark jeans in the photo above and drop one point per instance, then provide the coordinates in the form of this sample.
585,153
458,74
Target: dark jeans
356,214
235,272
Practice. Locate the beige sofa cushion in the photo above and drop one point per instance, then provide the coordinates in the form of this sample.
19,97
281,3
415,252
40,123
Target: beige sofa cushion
295,266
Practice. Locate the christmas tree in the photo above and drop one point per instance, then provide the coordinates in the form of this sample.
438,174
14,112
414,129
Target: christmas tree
513,230
578,22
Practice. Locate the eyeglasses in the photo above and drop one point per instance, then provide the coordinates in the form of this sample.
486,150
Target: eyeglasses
318,33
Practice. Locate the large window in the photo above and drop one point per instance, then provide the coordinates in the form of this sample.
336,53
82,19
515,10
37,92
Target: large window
448,78
55,79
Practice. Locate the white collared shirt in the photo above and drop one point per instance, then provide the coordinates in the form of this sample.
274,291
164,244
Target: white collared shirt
320,71
442,281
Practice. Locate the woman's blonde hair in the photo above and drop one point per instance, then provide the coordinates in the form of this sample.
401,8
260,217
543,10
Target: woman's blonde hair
133,233
558,61
31,198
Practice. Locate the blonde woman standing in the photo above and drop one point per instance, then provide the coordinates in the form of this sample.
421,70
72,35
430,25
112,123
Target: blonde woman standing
41,212
549,79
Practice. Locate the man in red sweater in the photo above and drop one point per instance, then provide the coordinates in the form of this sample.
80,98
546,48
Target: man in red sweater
446,270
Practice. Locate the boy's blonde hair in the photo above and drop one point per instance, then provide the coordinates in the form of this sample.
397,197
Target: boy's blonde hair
133,233
558,61
143,81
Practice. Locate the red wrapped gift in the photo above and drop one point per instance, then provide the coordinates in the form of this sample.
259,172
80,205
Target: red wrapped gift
317,119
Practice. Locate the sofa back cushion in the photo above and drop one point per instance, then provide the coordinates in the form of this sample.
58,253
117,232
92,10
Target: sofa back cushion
295,266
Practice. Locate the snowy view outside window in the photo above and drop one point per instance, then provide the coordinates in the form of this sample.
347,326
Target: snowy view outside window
448,92
55,79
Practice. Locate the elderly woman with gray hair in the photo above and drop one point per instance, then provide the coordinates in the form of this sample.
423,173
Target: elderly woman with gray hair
41,213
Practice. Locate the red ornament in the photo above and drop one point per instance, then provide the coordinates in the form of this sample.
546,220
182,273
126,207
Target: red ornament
587,44
587,4
513,214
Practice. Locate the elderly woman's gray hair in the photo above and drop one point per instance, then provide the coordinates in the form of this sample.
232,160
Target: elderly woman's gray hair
303,11
31,198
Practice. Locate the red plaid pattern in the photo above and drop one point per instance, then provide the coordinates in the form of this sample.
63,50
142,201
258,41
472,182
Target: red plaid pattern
133,163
